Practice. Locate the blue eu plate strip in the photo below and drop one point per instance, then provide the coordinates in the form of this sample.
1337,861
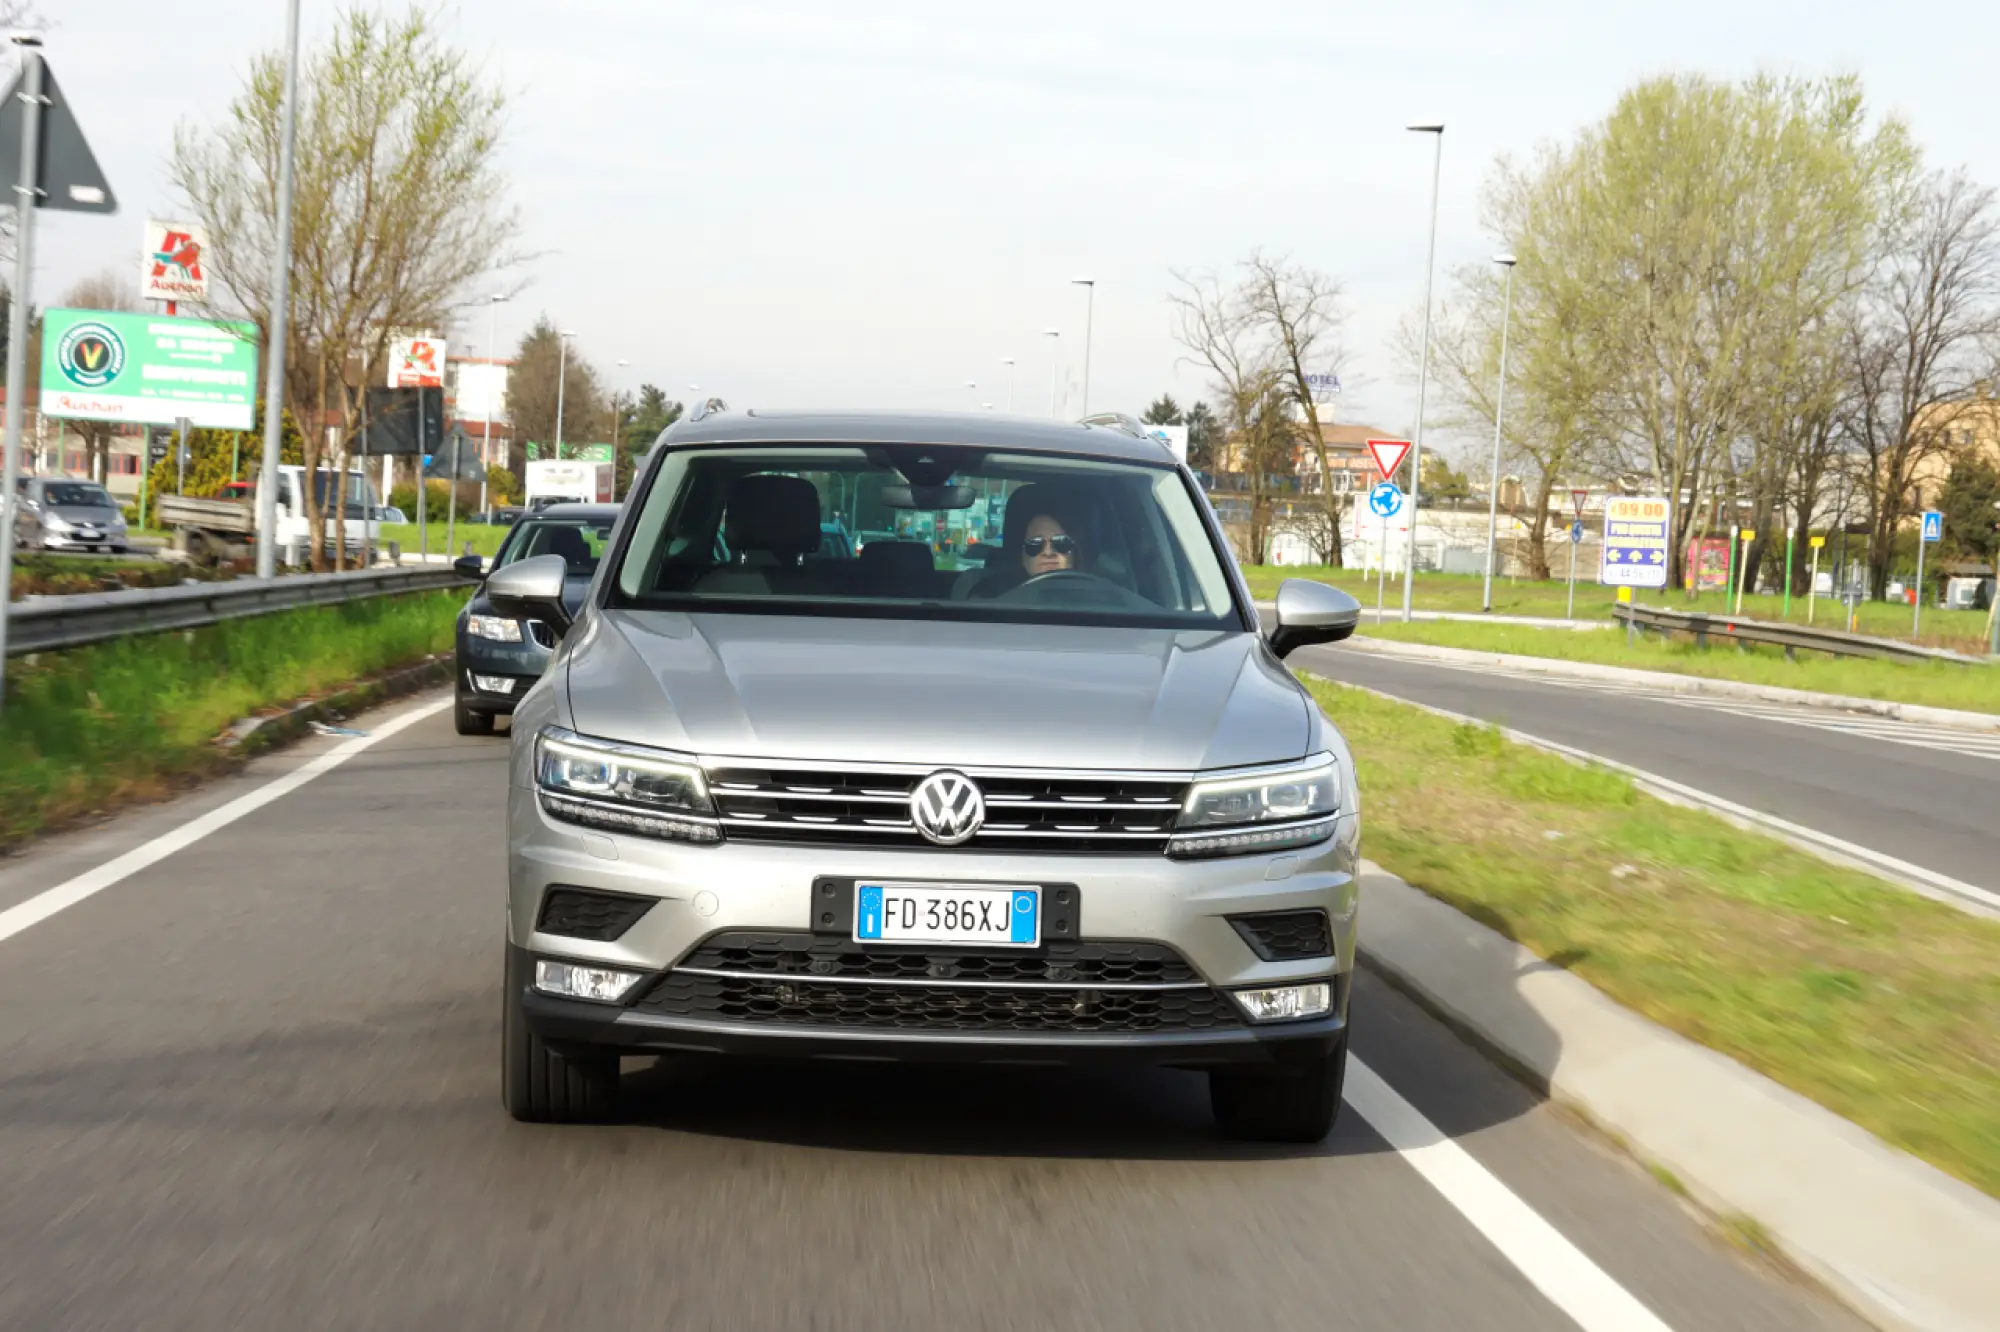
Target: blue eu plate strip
868,912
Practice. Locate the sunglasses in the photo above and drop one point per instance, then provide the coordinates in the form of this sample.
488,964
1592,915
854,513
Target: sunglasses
1061,545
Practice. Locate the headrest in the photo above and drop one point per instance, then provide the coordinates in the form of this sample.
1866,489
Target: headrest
897,557
779,514
566,542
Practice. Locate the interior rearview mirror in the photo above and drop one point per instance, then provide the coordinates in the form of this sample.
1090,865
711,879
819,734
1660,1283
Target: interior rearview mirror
469,567
532,589
1310,613
928,497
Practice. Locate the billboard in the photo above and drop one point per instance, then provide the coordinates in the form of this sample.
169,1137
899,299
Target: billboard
481,391
1636,541
416,363
1708,564
174,267
391,425
100,365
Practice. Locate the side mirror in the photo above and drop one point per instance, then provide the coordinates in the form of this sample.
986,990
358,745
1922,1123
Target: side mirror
1310,613
469,567
533,589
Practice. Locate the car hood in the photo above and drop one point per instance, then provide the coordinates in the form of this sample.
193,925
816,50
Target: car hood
93,515
934,692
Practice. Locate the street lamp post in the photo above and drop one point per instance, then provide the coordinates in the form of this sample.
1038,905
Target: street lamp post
281,292
617,444
1008,361
486,431
1499,411
562,371
1089,286
1055,378
1423,370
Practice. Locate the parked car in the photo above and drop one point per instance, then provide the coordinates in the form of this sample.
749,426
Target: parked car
60,514
388,513
499,655
1067,807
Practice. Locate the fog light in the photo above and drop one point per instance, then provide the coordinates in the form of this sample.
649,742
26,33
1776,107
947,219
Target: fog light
494,684
1280,1003
574,982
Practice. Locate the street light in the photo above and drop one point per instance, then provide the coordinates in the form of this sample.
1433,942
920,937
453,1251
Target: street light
1008,361
493,303
1423,367
281,284
1506,261
1055,354
562,371
1089,286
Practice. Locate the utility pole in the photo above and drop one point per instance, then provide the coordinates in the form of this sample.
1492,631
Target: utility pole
26,201
1423,369
279,331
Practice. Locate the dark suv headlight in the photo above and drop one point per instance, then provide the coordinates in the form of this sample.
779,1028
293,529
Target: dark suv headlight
623,788
1269,809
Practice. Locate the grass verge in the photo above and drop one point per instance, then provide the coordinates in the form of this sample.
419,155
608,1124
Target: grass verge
485,539
1962,631
1939,684
1880,1005
128,720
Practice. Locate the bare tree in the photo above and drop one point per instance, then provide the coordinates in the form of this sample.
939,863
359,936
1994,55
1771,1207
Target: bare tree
398,206
1219,327
1924,337
1300,311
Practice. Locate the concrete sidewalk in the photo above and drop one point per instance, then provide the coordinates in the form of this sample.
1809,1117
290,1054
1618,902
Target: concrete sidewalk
1908,1246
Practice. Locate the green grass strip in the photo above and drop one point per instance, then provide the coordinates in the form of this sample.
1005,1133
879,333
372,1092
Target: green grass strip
87,729
1880,1005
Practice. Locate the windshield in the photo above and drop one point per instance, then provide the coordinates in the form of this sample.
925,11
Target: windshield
942,530
581,543
68,494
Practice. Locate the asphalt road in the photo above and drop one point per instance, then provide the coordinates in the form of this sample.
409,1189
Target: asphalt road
254,1084
1926,797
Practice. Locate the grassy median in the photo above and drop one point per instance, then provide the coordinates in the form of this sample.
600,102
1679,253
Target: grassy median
1962,631
87,729
1880,1005
1939,684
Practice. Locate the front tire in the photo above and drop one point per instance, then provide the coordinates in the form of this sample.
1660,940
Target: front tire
540,1086
467,722
1296,1104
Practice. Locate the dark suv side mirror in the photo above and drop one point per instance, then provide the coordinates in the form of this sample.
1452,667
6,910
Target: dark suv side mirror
532,590
1310,613
469,567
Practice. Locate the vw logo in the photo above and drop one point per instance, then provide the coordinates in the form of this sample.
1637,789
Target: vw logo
947,808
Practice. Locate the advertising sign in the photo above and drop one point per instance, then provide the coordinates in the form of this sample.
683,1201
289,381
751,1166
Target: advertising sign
173,268
1636,541
1175,437
416,363
100,365
1708,564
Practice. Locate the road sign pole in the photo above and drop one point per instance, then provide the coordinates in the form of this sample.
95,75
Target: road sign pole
25,203
1382,569
181,455
1812,586
1917,600
451,515
423,533
1743,539
1573,544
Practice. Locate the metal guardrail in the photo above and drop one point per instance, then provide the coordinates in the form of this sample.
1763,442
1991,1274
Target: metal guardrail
67,622
1790,637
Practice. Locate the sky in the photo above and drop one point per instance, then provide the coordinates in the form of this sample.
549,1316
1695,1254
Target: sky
872,203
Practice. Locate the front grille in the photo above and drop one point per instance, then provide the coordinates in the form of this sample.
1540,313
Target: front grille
798,980
1078,962
1286,936
1110,814
580,913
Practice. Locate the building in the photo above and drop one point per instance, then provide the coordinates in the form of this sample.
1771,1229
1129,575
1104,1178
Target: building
1963,427
55,447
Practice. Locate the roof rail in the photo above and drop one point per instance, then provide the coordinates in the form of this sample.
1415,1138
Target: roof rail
706,408
1131,425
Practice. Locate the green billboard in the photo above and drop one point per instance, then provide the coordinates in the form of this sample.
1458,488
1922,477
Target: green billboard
572,452
101,365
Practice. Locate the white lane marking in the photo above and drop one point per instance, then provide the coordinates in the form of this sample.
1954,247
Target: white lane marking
1553,1265
91,882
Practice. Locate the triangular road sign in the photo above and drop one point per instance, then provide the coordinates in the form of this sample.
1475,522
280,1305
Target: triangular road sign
1389,454
70,180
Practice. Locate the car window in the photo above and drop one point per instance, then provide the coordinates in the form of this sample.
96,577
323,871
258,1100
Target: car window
78,494
579,541
941,530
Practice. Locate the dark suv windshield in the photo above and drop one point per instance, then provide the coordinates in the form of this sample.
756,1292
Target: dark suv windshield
72,494
943,530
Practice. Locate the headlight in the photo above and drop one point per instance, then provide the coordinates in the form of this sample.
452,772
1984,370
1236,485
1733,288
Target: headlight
623,788
55,524
496,627
1274,809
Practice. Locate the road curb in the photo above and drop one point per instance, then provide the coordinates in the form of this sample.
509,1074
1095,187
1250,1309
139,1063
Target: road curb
258,735
1677,684
1908,1246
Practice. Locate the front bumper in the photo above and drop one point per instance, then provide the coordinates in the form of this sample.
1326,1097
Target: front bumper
82,541
702,891
522,663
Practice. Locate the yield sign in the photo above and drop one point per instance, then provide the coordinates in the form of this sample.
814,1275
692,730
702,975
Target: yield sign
1389,455
1578,496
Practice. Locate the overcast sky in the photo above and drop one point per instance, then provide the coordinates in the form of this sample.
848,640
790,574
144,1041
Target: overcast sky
872,202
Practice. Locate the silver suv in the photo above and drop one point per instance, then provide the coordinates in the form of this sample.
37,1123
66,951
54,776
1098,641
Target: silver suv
1022,782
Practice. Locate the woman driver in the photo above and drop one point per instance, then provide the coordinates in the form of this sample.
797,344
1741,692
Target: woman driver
1047,547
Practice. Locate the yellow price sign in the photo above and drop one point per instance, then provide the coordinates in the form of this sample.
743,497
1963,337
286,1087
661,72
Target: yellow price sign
1818,541
1746,535
1625,595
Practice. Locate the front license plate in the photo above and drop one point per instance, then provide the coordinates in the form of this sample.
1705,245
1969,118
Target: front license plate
946,913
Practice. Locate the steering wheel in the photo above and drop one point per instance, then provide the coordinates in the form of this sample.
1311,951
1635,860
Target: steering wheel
1053,574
